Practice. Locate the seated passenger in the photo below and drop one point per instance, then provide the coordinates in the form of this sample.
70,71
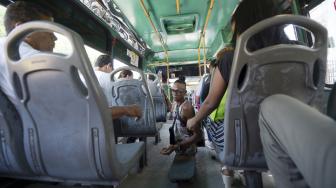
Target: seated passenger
126,75
182,141
104,67
247,14
18,13
21,12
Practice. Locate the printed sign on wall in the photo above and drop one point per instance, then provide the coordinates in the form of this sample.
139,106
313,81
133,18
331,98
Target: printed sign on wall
134,57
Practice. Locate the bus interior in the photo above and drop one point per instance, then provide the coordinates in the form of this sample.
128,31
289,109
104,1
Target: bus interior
164,38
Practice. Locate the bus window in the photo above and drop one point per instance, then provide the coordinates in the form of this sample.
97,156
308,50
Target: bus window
328,20
290,32
62,45
2,27
92,53
118,64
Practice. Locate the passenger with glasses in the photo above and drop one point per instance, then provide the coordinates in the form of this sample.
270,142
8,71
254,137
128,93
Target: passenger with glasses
182,141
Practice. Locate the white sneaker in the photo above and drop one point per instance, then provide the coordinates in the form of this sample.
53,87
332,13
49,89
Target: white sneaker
227,180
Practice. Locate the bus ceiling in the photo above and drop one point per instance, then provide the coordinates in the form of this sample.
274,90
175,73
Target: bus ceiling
179,30
161,32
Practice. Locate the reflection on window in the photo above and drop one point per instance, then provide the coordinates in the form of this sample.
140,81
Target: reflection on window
325,14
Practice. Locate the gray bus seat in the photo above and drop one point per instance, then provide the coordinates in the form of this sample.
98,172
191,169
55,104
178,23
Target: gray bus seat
290,69
68,130
205,81
160,105
331,106
129,92
12,155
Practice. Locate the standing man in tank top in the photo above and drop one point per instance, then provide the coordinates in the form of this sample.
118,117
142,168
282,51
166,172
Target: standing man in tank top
182,140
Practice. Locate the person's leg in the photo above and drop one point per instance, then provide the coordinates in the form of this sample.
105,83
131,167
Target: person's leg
299,143
282,167
215,132
207,137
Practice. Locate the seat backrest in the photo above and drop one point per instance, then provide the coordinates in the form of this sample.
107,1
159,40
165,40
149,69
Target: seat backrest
130,92
206,79
160,105
331,106
294,70
68,130
12,154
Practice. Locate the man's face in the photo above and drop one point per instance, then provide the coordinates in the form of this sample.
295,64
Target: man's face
178,90
108,68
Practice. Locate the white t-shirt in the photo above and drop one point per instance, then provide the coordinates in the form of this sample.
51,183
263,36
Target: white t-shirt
6,86
104,80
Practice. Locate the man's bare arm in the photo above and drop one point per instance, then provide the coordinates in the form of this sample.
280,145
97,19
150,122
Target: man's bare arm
132,111
188,112
193,139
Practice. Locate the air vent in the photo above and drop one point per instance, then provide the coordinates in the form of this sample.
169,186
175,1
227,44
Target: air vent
179,24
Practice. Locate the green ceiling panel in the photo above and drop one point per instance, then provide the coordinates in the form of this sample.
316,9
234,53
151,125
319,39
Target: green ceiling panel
179,55
183,30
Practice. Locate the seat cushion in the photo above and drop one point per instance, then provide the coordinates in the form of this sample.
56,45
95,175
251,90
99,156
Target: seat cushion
129,154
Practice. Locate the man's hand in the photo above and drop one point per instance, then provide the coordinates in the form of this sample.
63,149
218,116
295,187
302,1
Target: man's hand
134,111
168,150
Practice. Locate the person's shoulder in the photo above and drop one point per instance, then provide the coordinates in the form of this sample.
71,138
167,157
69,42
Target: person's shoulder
97,72
26,50
228,54
102,76
187,104
227,58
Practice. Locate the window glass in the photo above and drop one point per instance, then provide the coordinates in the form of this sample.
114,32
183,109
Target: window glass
62,45
325,14
117,64
2,27
92,53
290,32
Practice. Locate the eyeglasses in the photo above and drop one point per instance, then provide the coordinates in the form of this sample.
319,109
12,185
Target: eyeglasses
178,91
